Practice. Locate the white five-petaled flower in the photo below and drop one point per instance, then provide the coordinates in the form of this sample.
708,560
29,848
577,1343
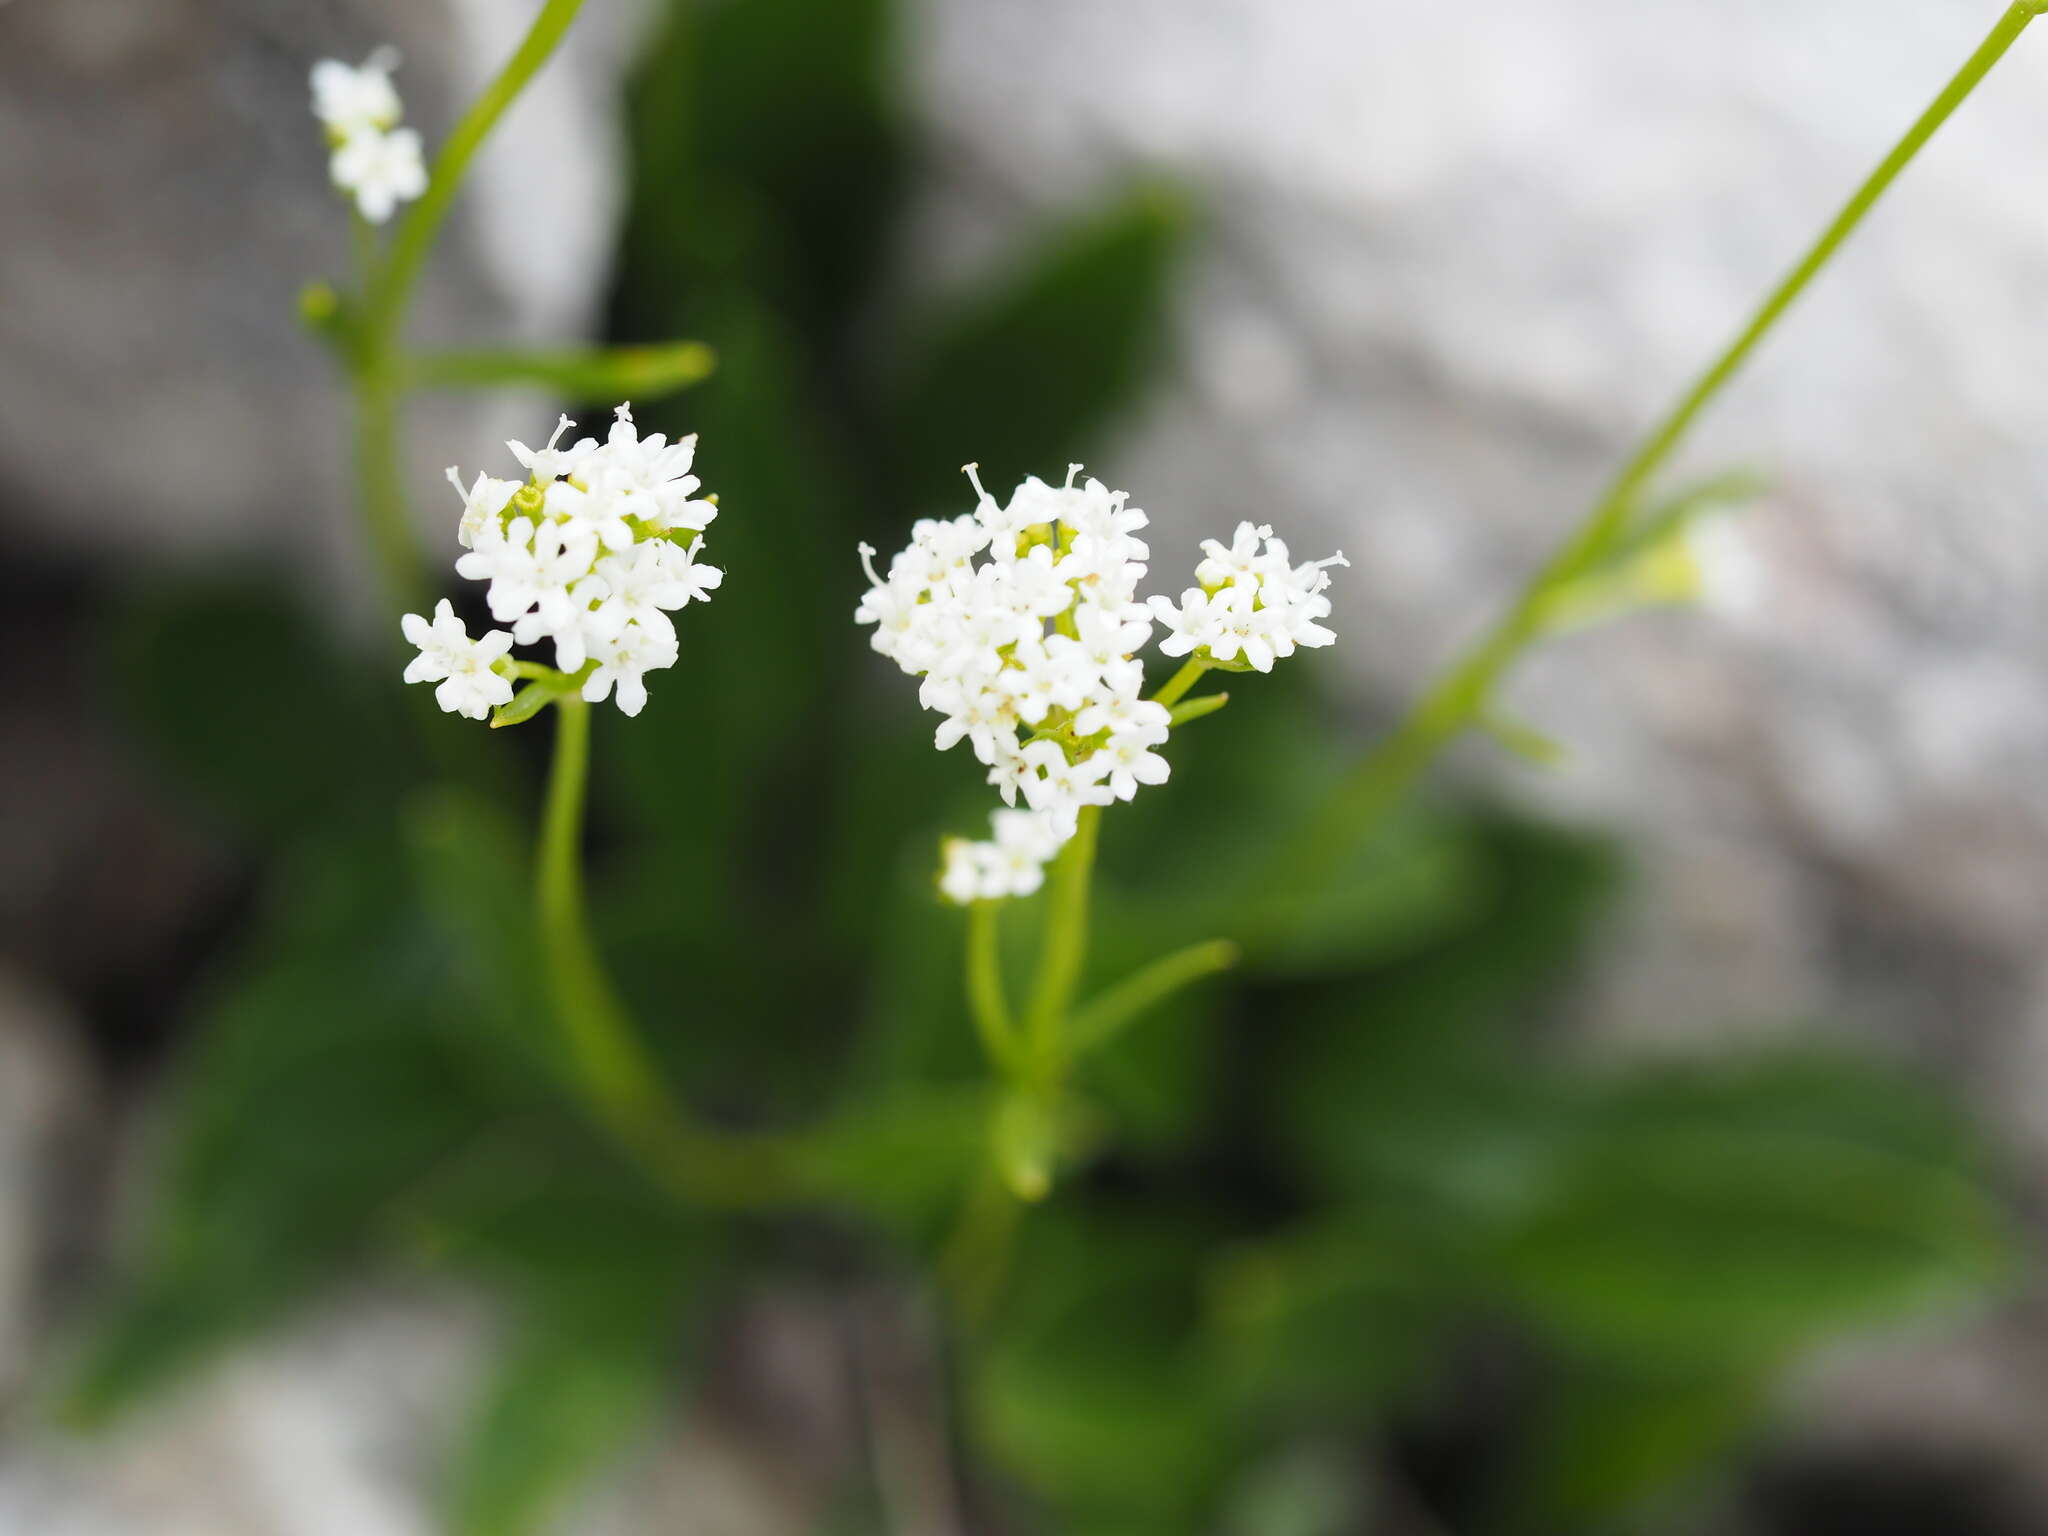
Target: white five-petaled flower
1023,621
374,160
465,668
590,554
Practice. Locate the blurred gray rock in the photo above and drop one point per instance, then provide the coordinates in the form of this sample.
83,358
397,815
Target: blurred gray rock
166,197
49,1124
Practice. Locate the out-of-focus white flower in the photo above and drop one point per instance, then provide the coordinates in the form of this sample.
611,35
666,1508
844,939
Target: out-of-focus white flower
465,668
1024,622
357,98
592,553
1732,581
374,160
381,170
1011,863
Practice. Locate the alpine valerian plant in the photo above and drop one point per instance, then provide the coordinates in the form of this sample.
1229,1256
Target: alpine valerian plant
1023,620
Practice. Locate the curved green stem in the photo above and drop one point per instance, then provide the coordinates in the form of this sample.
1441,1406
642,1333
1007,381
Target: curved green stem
378,370
1104,1017
414,241
1176,687
1462,695
985,994
610,1068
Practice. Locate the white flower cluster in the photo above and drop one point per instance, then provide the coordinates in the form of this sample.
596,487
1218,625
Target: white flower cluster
591,552
1030,654
1253,603
374,159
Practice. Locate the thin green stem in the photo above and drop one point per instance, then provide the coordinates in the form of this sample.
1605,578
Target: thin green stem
977,1255
1465,691
1104,1017
609,1067
1176,687
414,241
604,1053
985,995
1065,946
378,371
380,490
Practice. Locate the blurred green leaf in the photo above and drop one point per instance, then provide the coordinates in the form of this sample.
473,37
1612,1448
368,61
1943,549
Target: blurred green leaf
475,875
1337,1315
1091,1387
321,1088
1736,1212
561,1400
903,1155
1417,1075
584,376
768,155
248,707
1023,376
1609,1440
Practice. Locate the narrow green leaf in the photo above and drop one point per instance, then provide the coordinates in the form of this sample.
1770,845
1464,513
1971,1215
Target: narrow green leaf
591,376
1194,709
1104,1016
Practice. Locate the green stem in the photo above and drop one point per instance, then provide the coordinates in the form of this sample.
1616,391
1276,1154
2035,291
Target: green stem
380,491
1177,686
607,1059
1065,946
1462,695
608,1065
414,241
985,994
378,371
1100,1020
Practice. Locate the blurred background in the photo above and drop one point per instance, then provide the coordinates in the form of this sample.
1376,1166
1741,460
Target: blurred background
1650,1142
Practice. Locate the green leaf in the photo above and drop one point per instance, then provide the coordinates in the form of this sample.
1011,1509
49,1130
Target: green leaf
1091,1387
1739,1212
1611,1440
474,870
583,376
1026,375
248,707
1337,1315
767,156
562,1400
321,1088
1416,875
1414,1077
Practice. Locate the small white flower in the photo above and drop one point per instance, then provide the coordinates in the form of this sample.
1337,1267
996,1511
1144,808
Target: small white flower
549,462
462,666
1237,563
1191,624
1012,863
696,580
1133,762
351,98
483,504
381,169
623,663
